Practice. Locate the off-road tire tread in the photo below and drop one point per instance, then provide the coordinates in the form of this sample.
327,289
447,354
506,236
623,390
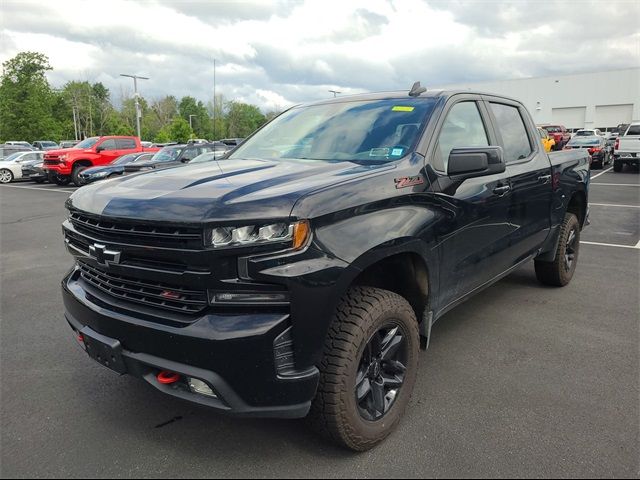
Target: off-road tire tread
357,310
554,273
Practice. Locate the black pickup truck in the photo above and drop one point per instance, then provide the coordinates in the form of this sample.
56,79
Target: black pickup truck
300,275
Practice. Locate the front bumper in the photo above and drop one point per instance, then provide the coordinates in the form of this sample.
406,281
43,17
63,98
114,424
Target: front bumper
232,353
58,168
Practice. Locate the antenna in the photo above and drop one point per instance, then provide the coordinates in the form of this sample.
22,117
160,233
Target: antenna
417,90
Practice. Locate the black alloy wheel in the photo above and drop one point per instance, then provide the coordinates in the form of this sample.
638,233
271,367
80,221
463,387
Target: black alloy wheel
381,372
570,250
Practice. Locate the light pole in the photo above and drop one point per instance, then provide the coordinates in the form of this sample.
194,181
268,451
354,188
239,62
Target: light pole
214,100
335,93
135,96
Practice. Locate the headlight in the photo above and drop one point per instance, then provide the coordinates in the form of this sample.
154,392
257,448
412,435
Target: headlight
100,174
63,158
296,234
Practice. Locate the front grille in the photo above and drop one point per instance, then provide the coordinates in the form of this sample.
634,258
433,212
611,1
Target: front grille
48,161
151,294
139,234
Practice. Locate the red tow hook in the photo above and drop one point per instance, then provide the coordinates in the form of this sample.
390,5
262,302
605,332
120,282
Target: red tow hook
167,378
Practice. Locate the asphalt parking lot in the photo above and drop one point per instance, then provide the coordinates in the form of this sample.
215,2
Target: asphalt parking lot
522,380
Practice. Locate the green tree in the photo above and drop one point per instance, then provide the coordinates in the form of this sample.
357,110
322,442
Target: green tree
243,119
190,108
179,130
26,99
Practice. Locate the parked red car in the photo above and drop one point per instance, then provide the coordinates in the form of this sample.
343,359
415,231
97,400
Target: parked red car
559,133
64,165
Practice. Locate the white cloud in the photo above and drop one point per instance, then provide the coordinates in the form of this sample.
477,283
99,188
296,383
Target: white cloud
276,53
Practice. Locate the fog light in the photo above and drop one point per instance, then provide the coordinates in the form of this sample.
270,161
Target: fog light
198,386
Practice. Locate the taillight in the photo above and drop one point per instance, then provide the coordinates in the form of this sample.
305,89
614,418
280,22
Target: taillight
594,150
617,144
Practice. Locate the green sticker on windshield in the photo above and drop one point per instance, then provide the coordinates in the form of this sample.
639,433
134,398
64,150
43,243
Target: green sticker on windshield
399,108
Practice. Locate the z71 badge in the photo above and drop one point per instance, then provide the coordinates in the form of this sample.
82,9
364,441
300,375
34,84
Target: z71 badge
405,182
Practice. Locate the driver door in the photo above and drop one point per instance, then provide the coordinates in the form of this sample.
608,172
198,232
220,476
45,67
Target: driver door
474,231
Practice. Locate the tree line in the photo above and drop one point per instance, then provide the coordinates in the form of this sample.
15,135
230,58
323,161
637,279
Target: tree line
30,109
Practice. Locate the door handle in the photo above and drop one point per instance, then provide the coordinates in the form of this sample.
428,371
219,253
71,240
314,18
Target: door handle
544,178
500,191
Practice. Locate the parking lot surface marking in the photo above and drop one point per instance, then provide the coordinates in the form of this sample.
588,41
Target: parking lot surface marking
602,173
633,247
616,184
61,190
612,205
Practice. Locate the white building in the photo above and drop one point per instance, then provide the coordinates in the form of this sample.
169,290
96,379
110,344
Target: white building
589,100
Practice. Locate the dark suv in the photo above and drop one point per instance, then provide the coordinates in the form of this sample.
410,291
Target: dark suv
301,274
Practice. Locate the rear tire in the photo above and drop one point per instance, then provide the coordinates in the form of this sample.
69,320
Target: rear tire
354,380
559,272
617,166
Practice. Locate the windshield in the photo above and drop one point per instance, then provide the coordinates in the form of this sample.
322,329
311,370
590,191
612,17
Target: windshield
49,144
585,133
13,156
371,131
552,129
88,143
167,154
205,157
125,159
585,141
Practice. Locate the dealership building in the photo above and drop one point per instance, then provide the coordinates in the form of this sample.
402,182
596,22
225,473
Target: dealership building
588,100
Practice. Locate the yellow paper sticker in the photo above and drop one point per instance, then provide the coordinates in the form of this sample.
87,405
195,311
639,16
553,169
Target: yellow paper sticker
403,109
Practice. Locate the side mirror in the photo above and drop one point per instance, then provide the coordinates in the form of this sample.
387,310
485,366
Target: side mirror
474,162
99,148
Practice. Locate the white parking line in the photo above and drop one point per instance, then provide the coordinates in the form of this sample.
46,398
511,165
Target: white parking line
613,205
633,247
602,173
59,190
617,184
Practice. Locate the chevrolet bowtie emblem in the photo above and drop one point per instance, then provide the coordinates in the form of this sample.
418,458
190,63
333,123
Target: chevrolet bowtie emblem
102,255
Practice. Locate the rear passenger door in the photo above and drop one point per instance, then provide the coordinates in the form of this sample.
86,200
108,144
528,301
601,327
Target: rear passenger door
529,170
126,145
474,230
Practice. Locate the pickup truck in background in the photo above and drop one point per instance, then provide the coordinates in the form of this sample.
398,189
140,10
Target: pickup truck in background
627,148
64,165
559,134
302,273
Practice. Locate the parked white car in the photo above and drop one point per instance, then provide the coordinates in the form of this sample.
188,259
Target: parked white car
589,132
11,167
627,148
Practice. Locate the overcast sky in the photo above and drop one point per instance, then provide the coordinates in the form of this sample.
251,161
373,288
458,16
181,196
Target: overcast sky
275,53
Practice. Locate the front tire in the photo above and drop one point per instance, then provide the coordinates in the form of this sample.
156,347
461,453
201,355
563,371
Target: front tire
6,176
368,369
75,175
559,272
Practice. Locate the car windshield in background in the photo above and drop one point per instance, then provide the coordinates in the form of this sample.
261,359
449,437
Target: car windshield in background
167,154
49,144
552,129
586,133
584,141
370,131
126,159
205,157
13,156
88,143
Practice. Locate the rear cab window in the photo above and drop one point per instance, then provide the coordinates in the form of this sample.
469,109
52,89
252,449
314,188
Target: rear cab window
511,127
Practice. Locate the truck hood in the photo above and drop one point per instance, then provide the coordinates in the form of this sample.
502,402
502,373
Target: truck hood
225,190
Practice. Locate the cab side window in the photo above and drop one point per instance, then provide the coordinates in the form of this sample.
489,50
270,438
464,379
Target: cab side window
126,143
463,127
514,134
109,144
